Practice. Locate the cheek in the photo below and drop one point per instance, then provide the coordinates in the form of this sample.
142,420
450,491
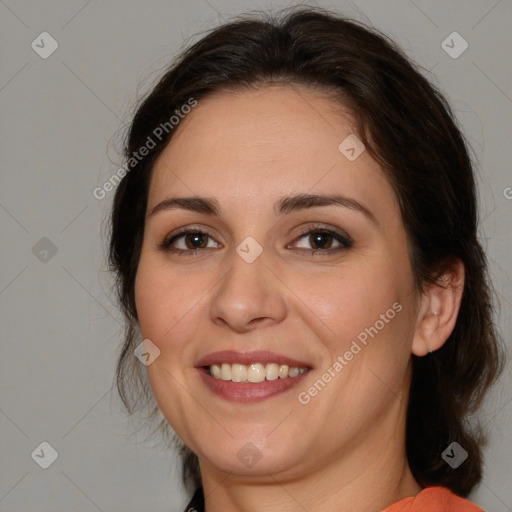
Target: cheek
163,299
348,301
365,321
167,309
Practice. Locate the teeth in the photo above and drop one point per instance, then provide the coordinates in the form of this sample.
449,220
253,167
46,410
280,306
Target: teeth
215,371
272,371
225,372
238,373
293,371
255,372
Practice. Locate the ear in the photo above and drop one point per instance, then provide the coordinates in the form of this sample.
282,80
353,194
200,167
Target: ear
438,311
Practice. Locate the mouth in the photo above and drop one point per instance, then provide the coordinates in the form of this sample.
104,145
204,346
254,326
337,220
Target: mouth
250,376
256,372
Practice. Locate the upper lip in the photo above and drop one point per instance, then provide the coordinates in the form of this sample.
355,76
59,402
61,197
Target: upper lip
247,358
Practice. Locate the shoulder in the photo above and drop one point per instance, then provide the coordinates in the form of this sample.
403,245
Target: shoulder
434,499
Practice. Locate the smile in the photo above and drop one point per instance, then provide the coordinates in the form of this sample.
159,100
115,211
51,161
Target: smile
250,376
256,372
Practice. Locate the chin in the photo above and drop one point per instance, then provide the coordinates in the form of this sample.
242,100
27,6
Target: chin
246,457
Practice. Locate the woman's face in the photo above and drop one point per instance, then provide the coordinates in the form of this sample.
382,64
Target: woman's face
271,278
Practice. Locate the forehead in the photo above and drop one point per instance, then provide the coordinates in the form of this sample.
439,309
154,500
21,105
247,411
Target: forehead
268,119
272,140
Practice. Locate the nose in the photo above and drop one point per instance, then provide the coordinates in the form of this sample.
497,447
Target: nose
249,296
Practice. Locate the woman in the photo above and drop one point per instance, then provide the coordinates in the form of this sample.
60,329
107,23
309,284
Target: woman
295,239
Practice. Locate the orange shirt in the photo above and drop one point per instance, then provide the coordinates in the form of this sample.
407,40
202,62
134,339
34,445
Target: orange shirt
434,499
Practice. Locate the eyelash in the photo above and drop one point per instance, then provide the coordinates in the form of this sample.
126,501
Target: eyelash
344,241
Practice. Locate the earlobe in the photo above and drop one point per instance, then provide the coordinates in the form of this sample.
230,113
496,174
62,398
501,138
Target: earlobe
438,311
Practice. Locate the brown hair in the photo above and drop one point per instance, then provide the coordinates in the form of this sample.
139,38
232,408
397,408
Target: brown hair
408,127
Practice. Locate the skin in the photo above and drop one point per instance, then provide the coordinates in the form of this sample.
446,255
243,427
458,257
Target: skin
247,150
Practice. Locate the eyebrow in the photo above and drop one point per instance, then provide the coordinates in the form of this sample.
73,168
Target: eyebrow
284,206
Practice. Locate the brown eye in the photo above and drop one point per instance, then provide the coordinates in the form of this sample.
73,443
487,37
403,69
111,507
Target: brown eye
196,240
321,240
188,241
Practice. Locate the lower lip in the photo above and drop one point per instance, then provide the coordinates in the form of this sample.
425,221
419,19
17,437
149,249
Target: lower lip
249,391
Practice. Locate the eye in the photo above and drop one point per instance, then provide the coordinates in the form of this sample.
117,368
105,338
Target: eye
317,240
320,240
188,241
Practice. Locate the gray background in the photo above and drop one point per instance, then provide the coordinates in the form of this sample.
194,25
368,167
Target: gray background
59,325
